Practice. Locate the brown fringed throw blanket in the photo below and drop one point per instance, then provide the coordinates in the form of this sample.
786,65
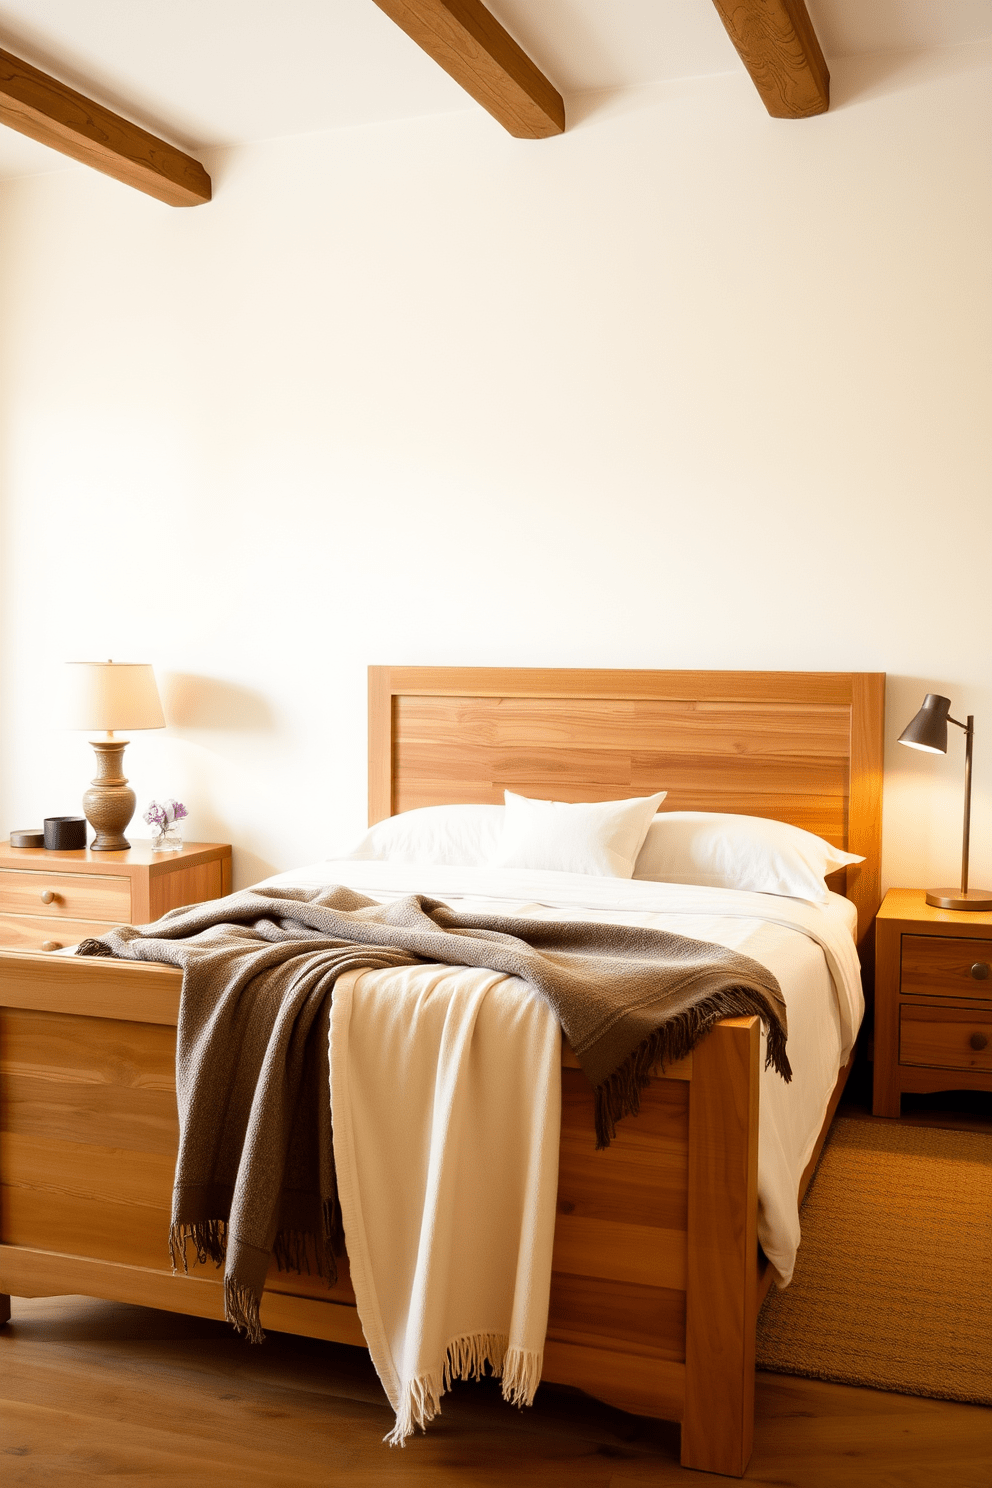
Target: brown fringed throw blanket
255,1171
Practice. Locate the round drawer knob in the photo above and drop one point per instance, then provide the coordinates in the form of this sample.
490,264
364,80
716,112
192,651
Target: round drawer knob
51,945
48,896
978,1040
980,971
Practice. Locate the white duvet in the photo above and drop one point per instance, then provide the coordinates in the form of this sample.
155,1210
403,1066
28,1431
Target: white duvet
809,948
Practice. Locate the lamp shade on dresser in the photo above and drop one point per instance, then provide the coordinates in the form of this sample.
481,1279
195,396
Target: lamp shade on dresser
106,696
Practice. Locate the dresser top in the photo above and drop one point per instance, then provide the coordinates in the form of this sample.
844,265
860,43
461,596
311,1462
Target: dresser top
137,859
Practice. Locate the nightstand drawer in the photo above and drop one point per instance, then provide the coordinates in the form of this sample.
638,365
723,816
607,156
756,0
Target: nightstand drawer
28,933
946,966
74,896
945,1038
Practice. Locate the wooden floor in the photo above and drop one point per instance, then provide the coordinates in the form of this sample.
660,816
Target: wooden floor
97,1392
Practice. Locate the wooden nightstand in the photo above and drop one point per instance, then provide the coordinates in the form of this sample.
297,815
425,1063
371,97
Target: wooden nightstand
53,899
933,999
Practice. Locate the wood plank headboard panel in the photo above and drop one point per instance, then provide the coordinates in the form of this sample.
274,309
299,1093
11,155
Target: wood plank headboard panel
803,747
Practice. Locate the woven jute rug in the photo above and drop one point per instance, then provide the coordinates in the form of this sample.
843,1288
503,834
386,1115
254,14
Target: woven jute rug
893,1283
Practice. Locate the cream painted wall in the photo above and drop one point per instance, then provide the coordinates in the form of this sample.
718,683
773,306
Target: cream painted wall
685,387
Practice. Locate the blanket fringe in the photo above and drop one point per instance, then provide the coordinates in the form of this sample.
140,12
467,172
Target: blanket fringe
209,1238
620,1094
306,1254
241,1309
92,947
522,1375
292,1249
467,1357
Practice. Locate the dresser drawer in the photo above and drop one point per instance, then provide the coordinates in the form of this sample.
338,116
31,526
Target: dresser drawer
27,933
77,896
945,1037
946,966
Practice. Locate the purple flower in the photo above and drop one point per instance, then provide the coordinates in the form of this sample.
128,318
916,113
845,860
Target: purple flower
165,814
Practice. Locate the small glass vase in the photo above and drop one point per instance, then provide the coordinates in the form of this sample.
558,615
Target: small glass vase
170,839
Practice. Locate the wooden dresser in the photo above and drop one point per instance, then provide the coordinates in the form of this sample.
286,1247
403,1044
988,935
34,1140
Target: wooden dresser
933,999
51,899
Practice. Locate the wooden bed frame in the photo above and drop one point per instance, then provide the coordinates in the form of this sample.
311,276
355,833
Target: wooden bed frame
658,1275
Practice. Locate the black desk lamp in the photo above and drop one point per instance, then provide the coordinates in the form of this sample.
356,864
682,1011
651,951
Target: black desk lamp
928,731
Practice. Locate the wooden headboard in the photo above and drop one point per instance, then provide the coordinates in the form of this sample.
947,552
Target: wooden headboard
803,747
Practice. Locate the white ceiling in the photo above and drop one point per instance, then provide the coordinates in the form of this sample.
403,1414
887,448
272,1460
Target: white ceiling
218,72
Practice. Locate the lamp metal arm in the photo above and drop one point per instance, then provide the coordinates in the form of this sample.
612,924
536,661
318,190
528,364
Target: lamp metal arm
969,739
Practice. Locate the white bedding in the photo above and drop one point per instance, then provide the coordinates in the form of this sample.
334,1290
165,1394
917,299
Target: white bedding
809,948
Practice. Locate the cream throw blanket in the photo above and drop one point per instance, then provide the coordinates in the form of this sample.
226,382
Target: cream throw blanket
446,1107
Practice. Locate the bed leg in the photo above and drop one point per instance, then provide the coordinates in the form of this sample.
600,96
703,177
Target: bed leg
4,1309
721,1279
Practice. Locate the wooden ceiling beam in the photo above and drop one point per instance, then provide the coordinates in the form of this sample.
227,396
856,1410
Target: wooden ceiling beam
473,48
777,44
54,114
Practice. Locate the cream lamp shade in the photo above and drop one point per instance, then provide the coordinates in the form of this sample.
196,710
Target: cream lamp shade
109,695
105,696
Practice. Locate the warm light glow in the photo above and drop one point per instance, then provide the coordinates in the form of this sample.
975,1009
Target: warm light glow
924,748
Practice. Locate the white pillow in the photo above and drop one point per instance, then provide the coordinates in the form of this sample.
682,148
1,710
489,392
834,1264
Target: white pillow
602,837
739,852
465,836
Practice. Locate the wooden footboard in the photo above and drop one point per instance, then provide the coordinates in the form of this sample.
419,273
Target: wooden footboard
654,1293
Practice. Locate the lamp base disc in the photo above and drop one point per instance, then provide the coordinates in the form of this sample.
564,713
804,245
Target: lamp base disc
974,899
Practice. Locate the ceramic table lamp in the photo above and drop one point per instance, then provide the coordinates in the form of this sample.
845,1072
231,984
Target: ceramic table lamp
928,731
107,696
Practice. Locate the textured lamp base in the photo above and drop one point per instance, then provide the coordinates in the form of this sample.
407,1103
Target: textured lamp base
974,899
109,803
